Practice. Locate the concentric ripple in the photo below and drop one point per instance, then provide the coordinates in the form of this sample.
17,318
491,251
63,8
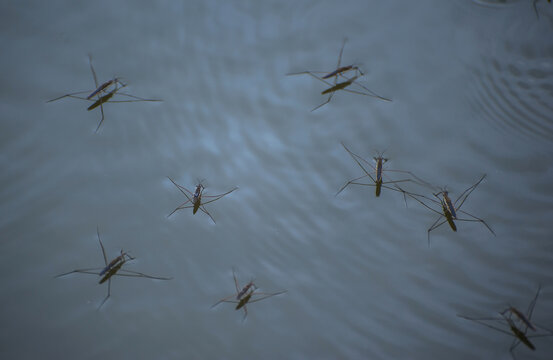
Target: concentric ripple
515,91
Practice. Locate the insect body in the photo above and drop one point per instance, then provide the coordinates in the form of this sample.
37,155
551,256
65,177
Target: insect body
448,210
102,100
197,201
339,86
243,301
102,87
520,335
245,289
118,261
342,69
519,315
378,169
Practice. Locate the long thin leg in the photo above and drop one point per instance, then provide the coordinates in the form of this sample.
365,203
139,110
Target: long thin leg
327,83
93,72
416,198
180,207
235,282
367,162
369,92
356,158
330,85
181,188
266,295
93,271
521,317
324,103
259,299
207,212
131,273
481,321
549,331
232,299
217,197
341,52
398,189
468,191
514,344
533,304
417,180
71,95
396,181
107,296
101,245
101,120
352,181
225,299
136,98
308,72
434,226
476,219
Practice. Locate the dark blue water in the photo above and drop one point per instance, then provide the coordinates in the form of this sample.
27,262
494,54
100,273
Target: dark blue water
472,91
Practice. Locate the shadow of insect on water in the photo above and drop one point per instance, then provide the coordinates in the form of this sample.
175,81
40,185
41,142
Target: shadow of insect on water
534,4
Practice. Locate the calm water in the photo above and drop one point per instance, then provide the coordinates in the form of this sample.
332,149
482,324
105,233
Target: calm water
472,90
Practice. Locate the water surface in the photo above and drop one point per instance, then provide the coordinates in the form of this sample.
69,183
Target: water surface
472,95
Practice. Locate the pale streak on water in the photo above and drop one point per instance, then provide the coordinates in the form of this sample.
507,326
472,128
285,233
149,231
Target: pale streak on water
471,88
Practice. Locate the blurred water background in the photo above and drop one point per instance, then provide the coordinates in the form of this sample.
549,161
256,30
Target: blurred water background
472,90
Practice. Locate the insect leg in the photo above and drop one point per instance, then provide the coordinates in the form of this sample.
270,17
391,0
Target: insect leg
475,219
207,212
434,226
107,296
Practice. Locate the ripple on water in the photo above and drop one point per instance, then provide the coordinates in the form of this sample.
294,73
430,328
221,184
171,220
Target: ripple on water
514,93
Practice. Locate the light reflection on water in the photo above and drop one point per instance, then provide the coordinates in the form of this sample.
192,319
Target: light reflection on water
361,281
